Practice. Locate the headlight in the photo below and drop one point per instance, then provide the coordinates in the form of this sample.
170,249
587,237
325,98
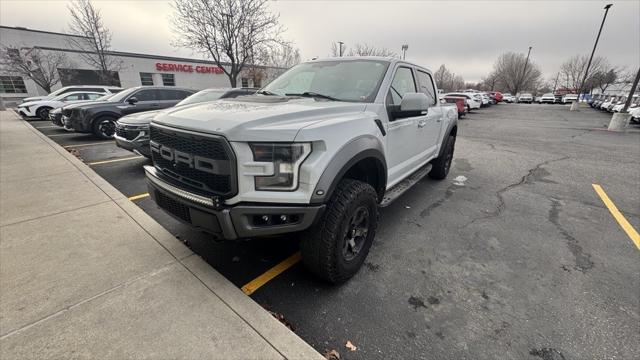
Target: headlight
286,159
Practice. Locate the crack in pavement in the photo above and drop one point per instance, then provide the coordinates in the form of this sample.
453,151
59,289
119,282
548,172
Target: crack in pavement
531,173
582,260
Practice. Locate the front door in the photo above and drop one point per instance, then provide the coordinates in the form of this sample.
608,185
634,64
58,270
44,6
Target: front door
403,134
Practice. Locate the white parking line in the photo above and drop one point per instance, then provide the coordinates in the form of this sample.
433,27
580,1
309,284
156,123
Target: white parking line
45,127
65,134
89,144
115,160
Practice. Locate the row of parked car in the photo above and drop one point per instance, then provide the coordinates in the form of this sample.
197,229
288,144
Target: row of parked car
467,100
98,109
615,103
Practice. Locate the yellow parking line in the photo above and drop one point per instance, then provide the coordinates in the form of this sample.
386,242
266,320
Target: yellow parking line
63,134
89,144
138,197
115,160
256,283
624,224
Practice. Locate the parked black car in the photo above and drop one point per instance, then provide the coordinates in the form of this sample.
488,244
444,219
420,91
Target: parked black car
132,131
100,117
55,115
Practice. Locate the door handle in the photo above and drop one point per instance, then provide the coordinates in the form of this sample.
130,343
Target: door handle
155,105
422,123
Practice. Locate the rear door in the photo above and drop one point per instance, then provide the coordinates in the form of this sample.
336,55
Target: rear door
431,125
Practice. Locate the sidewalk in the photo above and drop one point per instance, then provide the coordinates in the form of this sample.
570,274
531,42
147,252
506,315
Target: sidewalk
84,273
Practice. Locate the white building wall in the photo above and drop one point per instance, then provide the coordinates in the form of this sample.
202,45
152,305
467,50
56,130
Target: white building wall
131,64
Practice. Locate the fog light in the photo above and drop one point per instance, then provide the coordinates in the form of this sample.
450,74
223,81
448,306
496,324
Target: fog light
283,218
265,218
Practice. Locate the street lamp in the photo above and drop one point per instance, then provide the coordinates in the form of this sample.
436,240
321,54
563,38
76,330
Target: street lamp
405,47
524,71
575,104
340,43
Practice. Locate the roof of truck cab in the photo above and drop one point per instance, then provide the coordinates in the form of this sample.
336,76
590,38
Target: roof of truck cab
389,59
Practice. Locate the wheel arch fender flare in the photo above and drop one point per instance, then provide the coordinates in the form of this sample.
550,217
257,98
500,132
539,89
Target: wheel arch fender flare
358,149
452,128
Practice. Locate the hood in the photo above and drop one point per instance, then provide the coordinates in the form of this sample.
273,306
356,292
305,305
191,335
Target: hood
140,118
96,104
256,118
80,103
34,98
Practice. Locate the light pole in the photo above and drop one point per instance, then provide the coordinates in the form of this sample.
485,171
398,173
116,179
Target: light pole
524,71
340,51
620,120
405,47
555,85
575,104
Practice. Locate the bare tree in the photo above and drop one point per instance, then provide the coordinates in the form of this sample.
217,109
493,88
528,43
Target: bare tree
365,49
269,62
34,64
94,39
335,50
489,82
228,31
511,75
601,73
446,80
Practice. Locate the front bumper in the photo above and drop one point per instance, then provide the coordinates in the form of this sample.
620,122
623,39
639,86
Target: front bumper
25,111
230,223
56,119
138,145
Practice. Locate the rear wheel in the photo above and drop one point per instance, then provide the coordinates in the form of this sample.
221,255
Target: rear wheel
336,247
105,127
442,164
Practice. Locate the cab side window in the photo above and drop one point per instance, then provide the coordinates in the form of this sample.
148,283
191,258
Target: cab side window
403,82
146,95
426,86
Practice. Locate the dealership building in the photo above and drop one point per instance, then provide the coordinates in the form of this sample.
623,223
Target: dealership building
133,69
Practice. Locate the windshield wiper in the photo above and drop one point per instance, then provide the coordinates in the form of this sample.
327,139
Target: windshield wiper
314,94
267,92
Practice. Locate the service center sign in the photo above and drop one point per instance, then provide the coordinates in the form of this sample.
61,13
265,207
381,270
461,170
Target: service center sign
189,68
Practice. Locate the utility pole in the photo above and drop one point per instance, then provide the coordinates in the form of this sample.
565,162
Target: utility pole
405,47
619,121
575,104
524,71
341,43
555,85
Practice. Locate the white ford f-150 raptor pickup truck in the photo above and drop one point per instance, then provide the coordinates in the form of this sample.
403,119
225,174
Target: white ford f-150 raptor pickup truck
316,151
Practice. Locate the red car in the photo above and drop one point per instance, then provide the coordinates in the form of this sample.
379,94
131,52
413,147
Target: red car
460,104
497,95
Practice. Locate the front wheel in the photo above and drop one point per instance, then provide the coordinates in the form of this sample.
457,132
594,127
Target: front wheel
335,248
442,164
43,113
105,127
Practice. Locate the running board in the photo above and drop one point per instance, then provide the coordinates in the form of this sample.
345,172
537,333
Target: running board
397,190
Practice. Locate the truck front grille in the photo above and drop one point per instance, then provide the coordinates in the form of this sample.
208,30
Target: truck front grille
127,134
214,149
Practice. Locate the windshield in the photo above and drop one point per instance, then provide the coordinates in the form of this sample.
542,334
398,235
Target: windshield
547,95
122,94
351,80
202,96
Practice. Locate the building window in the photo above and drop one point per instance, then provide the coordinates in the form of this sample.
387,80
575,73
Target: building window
245,82
146,79
12,85
257,83
168,80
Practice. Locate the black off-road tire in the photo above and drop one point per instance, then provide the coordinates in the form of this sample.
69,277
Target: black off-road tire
43,113
442,164
100,124
325,247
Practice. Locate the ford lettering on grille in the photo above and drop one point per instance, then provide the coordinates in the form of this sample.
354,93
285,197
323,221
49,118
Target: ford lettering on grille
193,161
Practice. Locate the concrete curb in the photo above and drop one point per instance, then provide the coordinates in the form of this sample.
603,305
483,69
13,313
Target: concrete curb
288,344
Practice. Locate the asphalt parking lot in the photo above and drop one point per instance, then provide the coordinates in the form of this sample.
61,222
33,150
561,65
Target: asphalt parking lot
514,256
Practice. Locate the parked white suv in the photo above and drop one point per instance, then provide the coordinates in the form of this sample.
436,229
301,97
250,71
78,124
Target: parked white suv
319,149
470,100
525,98
569,98
41,108
66,89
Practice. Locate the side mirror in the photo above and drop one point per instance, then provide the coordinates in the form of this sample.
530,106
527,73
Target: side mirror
414,102
132,100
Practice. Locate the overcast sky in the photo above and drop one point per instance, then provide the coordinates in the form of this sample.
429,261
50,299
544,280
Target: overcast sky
466,36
